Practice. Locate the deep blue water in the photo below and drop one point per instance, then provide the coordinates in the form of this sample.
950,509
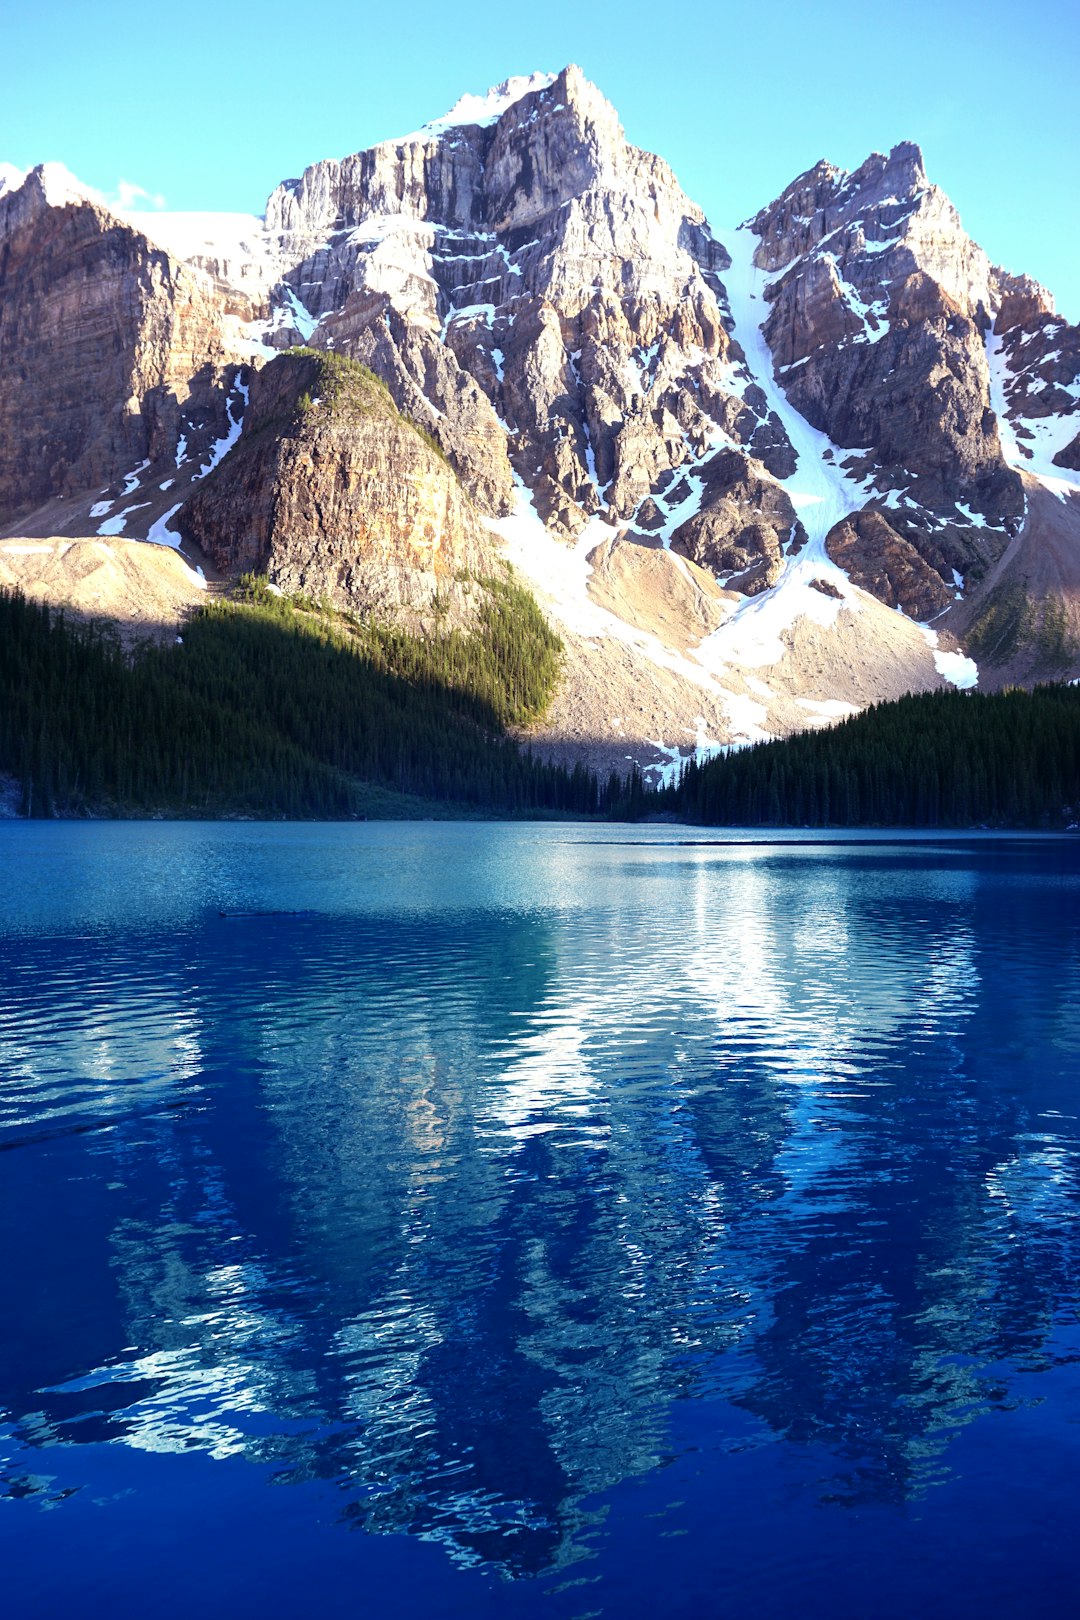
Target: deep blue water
537,1221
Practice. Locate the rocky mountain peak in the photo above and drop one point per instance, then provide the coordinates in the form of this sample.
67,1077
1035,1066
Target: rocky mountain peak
25,196
331,492
826,199
900,173
830,401
1020,301
496,161
886,212
877,318
483,111
107,341
532,288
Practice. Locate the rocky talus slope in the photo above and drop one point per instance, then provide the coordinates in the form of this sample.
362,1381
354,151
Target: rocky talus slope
757,476
147,591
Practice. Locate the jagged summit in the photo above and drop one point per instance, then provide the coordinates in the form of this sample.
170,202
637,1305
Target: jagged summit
52,184
900,174
482,111
838,408
433,172
500,275
902,168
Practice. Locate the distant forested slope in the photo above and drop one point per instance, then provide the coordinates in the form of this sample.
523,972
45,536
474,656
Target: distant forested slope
949,759
273,707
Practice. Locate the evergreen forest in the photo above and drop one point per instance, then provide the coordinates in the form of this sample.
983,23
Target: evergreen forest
935,759
276,707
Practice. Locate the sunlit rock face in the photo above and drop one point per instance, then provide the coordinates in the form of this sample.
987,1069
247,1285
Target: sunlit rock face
1036,355
878,307
842,393
331,493
540,293
109,348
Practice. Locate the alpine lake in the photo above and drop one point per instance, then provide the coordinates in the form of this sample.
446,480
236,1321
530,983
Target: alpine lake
488,1221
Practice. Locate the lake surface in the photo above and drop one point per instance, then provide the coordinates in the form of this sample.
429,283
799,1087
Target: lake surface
466,1220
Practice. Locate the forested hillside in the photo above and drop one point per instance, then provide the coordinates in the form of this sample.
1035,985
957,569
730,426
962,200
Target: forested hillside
278,707
273,707
949,759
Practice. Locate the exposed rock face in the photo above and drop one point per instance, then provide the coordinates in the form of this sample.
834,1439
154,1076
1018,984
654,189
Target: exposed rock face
883,562
1070,456
1024,625
743,526
1037,358
839,397
531,269
332,493
427,382
876,325
109,349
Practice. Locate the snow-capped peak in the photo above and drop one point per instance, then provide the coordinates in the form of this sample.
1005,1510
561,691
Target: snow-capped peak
487,109
61,187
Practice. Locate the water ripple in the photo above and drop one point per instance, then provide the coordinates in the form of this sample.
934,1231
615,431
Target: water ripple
604,1160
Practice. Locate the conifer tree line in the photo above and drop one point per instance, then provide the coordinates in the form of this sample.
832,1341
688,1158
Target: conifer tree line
937,759
270,707
276,707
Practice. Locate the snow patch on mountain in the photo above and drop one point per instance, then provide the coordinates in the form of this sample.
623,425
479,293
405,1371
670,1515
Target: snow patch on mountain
954,667
160,532
224,237
117,523
483,111
559,575
221,447
396,261
821,490
301,317
826,711
1044,436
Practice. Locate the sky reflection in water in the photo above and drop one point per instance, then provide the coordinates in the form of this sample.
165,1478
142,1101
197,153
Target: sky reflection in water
606,1223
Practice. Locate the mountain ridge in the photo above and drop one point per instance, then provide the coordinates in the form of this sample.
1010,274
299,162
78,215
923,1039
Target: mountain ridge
838,407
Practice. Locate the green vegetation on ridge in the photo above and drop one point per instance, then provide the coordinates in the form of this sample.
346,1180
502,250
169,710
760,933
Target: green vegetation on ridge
1013,621
272,708
340,382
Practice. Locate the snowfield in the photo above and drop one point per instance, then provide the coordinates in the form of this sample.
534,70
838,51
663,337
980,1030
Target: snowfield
820,490
1050,434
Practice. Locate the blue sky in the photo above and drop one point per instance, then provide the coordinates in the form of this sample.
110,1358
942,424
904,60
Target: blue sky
210,105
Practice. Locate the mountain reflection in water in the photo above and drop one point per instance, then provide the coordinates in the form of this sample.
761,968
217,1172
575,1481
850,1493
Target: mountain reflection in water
522,1163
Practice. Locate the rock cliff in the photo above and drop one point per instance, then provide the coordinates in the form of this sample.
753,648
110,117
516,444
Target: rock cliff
110,350
838,408
332,493
878,305
536,291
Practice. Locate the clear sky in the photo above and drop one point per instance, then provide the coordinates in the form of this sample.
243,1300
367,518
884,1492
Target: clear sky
209,105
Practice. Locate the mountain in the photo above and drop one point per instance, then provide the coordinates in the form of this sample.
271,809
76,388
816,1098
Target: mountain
757,477
113,355
338,497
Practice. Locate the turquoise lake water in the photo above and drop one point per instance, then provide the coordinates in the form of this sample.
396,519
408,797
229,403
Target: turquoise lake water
468,1220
